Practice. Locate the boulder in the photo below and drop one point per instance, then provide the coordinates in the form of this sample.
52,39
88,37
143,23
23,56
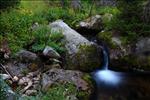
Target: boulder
93,23
26,56
142,53
30,59
80,54
138,58
51,53
80,80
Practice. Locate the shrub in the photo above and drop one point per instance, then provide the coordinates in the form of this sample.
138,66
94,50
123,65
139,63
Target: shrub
131,17
44,37
15,28
60,92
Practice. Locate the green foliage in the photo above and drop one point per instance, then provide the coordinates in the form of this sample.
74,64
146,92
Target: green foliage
60,92
15,28
127,19
3,88
107,37
131,18
107,9
43,37
8,3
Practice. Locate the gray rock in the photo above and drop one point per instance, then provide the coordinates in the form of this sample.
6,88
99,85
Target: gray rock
106,2
50,52
80,53
17,69
5,76
57,76
46,82
92,23
31,92
26,56
143,46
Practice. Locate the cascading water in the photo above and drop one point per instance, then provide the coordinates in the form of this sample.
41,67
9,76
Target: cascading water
105,75
111,85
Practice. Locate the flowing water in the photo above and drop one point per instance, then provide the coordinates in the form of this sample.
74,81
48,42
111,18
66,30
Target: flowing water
113,85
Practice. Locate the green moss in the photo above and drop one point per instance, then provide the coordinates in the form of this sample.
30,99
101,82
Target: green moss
88,79
60,92
107,38
82,95
136,62
87,57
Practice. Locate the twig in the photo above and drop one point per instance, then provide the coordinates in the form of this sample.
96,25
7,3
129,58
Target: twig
7,71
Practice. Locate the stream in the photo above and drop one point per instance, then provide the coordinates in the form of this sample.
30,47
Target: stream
112,85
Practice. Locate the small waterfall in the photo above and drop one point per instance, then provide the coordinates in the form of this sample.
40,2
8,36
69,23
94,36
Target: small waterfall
105,58
105,75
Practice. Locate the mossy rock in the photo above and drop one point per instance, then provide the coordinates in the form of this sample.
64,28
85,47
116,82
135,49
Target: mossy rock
88,58
131,62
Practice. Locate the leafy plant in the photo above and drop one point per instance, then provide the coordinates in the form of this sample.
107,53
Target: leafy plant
60,92
44,37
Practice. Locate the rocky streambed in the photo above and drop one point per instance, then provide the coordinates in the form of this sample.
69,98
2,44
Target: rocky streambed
30,73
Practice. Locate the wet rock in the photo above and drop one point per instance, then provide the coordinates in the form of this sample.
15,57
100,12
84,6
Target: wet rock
138,58
80,54
116,49
92,23
50,52
127,57
59,76
31,92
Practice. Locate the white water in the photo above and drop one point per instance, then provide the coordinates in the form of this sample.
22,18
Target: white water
105,75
